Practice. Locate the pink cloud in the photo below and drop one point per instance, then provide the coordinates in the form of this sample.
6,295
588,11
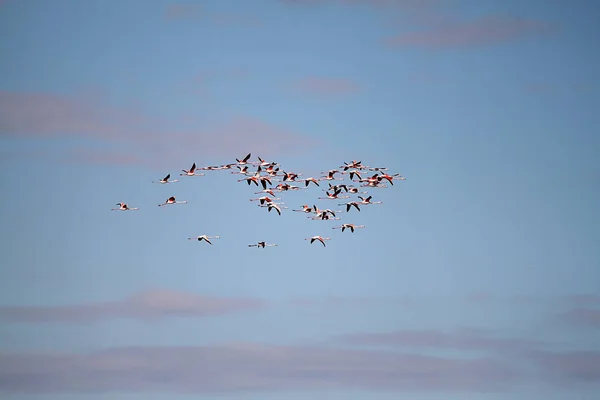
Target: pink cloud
246,367
178,11
51,116
584,299
183,11
582,316
483,31
150,304
461,340
326,86
570,367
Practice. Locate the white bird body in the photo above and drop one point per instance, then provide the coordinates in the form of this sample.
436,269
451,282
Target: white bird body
319,238
166,180
204,237
124,207
191,172
262,245
171,200
352,227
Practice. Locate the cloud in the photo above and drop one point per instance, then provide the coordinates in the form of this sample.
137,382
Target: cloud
179,11
151,304
569,367
185,11
466,339
325,86
584,299
483,31
337,301
582,316
247,366
155,139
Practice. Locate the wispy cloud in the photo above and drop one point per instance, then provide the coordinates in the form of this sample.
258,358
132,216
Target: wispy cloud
179,11
46,115
582,316
321,86
465,339
569,367
247,366
189,11
151,304
483,31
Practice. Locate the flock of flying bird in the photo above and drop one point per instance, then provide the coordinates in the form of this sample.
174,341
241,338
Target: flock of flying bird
267,172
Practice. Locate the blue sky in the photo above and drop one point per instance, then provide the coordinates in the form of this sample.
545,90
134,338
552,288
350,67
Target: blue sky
477,278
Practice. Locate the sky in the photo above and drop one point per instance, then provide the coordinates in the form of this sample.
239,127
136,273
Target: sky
477,277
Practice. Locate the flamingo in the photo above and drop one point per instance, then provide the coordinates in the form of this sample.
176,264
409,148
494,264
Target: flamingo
124,207
305,209
330,176
166,180
263,180
309,180
283,187
267,191
334,195
352,227
171,200
262,245
351,204
242,170
368,200
323,216
273,206
265,199
191,172
378,168
319,238
352,173
355,190
319,213
244,161
390,178
205,238
352,164
226,166
290,177
211,168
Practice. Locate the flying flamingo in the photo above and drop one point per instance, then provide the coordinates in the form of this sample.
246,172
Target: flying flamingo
352,227
283,187
266,199
309,180
242,170
244,160
324,216
191,172
319,238
390,178
273,206
171,200
334,195
353,173
267,191
166,180
351,204
290,177
262,245
205,238
305,209
368,200
124,207
352,164
330,176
